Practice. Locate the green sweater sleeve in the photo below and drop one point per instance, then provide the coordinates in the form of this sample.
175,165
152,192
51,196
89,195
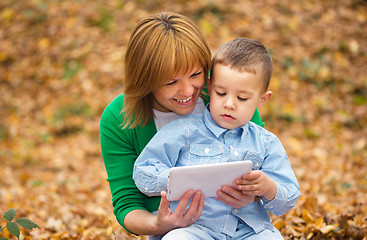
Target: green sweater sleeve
120,148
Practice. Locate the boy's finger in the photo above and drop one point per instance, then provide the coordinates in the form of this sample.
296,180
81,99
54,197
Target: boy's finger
227,199
251,176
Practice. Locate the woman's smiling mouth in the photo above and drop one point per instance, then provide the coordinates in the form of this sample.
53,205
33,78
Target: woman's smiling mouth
184,100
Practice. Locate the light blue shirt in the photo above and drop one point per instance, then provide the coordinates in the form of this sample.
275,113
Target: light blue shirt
198,139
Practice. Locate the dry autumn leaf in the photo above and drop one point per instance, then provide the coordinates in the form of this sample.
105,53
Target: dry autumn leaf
61,63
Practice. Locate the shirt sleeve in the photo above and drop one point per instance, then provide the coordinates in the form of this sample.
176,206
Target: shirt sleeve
119,156
151,169
277,166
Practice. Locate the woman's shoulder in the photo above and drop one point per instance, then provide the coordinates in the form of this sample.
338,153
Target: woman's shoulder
111,115
115,106
112,119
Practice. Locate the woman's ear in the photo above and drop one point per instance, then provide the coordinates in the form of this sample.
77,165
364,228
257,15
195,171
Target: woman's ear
264,99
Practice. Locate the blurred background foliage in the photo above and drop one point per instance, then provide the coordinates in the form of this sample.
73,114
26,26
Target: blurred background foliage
61,64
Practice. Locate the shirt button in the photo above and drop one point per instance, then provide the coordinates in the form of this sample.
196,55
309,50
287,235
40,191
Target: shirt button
235,153
235,211
146,189
256,165
206,150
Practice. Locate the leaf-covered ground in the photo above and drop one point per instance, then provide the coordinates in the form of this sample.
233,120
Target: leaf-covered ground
61,64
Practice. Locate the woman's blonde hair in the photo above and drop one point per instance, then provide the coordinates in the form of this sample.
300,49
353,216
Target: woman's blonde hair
161,46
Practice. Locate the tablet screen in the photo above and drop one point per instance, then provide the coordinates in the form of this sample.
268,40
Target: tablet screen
207,178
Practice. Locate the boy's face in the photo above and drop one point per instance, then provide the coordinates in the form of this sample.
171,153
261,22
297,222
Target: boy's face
234,96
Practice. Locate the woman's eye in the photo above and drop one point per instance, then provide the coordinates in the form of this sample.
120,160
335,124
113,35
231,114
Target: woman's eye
196,74
220,94
171,82
242,99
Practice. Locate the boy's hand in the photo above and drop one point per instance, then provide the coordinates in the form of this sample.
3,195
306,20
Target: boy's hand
233,197
257,183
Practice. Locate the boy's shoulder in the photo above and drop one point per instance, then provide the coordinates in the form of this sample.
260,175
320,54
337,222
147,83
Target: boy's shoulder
185,121
260,131
191,117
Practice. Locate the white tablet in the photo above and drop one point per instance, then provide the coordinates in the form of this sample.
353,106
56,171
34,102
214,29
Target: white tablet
207,178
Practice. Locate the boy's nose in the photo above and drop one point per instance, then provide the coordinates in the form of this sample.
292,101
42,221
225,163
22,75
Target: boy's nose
229,103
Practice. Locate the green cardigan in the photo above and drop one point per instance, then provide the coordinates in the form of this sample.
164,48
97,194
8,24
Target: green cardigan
120,148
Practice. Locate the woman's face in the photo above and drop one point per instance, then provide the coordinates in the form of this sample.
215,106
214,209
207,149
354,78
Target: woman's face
179,95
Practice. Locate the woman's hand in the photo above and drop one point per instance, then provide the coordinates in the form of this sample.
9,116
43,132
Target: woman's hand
166,220
142,222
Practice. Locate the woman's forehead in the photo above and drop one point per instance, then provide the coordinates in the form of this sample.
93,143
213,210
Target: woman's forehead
185,64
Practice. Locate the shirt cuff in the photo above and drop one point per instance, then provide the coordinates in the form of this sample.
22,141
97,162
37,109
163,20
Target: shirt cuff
277,204
163,179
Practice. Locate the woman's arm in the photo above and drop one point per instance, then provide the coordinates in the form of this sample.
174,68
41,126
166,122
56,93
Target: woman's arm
119,156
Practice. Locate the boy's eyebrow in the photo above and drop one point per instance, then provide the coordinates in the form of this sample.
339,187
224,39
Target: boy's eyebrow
246,92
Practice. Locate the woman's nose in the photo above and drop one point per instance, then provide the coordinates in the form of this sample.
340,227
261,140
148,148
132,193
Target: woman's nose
186,88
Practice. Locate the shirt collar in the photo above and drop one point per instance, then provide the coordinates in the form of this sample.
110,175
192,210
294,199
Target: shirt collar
214,127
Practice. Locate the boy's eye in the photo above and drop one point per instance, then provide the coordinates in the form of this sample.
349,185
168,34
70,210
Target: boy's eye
242,99
221,94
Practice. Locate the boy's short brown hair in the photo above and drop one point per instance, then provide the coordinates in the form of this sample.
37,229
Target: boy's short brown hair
245,54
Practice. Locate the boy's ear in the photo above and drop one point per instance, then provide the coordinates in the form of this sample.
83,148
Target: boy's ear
264,99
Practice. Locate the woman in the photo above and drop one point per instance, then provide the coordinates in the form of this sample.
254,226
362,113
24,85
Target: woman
166,64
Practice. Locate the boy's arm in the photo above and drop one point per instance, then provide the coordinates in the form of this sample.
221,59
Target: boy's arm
151,168
276,166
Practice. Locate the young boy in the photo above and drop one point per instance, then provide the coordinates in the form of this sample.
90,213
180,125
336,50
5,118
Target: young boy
240,76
